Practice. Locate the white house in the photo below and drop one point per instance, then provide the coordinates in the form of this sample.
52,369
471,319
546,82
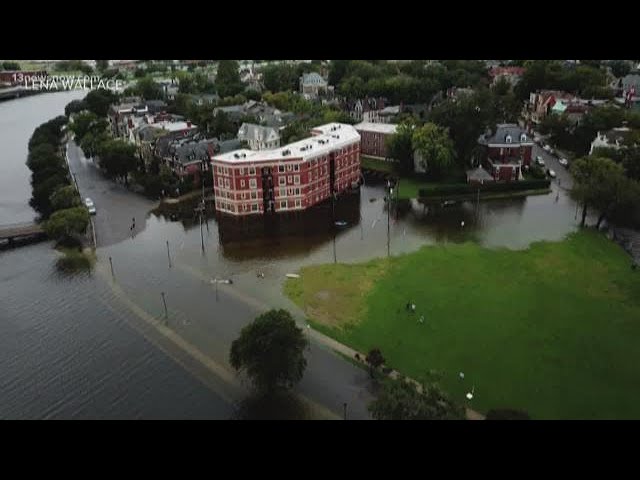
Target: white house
259,137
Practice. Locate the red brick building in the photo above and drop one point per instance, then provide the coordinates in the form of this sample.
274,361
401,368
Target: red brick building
373,137
508,150
294,177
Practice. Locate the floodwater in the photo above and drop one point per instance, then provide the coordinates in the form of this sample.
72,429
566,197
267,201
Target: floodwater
101,344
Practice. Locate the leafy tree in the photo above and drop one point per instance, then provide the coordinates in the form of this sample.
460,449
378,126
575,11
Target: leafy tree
98,101
337,71
43,189
102,65
83,123
91,142
43,156
75,106
400,147
375,360
149,89
10,65
619,68
228,78
280,77
600,183
270,350
435,148
65,197
507,414
252,94
403,400
118,158
139,73
67,224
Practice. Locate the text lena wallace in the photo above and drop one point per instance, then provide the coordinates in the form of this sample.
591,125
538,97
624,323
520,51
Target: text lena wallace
71,83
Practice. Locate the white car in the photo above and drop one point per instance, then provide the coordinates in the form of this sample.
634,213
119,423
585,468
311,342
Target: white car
90,206
540,161
551,173
564,162
546,148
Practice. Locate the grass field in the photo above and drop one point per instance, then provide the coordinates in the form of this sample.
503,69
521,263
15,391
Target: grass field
553,329
377,164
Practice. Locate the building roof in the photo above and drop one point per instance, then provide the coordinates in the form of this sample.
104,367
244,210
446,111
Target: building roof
390,110
504,130
193,150
376,127
148,133
155,106
495,71
174,126
251,131
327,137
312,78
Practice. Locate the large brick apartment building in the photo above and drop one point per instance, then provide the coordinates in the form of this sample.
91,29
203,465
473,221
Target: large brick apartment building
293,177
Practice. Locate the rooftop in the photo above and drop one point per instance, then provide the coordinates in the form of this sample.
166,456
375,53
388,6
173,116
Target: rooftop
328,137
502,132
174,126
376,127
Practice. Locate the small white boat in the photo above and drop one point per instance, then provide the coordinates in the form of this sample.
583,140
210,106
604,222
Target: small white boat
221,280
292,275
340,223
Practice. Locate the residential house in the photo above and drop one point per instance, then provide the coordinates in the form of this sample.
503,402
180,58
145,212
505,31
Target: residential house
510,74
507,150
389,114
259,137
312,85
542,102
631,83
614,138
364,110
373,138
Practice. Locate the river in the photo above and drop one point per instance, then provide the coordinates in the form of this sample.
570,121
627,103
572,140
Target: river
99,345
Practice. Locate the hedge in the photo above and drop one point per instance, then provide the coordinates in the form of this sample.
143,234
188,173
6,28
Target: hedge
465,188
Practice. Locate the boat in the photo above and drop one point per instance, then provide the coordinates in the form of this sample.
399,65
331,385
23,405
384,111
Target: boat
222,280
340,223
292,275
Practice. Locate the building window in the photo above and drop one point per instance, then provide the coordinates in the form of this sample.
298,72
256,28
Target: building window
298,203
289,179
290,191
219,170
244,207
283,192
253,183
296,179
282,180
280,168
252,171
241,170
254,207
288,168
297,191
310,176
242,183
220,182
254,195
226,171
296,168
283,205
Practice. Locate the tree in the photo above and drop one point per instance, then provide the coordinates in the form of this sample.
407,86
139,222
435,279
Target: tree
67,224
619,68
102,65
270,350
43,188
280,77
435,148
403,400
375,360
400,146
599,182
75,106
228,78
98,101
43,156
65,197
148,89
507,414
10,65
83,123
118,158
92,141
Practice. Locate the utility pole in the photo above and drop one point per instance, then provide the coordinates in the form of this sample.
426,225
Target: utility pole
168,254
111,263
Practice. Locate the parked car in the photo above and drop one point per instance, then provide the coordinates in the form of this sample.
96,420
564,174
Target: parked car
564,162
546,148
540,161
90,206
551,173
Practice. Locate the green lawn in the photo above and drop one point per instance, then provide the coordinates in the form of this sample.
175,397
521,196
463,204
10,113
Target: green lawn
377,164
554,329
